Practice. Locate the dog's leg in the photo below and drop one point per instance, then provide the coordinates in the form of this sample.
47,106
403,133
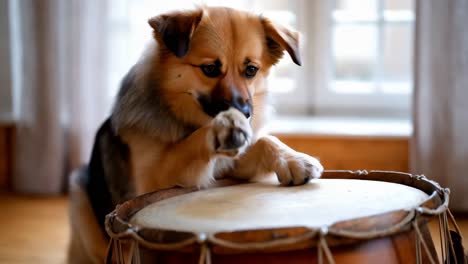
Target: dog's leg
190,162
268,154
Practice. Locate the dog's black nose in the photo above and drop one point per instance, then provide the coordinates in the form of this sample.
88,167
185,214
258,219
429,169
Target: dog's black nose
212,106
242,105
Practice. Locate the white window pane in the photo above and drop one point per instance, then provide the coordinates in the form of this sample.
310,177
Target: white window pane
282,17
354,51
396,87
355,10
397,57
399,4
398,10
353,86
398,15
357,6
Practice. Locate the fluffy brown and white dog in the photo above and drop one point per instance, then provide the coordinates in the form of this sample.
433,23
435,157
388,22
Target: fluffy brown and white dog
189,112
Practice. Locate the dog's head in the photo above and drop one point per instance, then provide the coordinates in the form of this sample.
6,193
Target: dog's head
214,58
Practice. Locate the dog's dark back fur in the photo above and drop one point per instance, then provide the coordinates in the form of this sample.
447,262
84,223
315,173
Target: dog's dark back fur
107,181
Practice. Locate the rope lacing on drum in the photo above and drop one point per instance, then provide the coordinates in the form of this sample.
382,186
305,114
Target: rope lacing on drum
454,223
261,245
136,253
361,172
446,243
110,251
448,237
419,176
442,239
322,247
445,239
420,240
132,231
115,246
205,254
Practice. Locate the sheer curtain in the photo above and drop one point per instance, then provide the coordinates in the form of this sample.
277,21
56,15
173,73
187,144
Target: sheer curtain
440,141
59,74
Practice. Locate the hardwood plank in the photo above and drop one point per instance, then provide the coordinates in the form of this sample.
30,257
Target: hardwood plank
33,229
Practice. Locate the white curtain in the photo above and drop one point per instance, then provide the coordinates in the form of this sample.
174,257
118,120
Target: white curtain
440,142
59,82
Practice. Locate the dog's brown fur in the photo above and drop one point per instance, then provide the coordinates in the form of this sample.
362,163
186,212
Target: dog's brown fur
168,137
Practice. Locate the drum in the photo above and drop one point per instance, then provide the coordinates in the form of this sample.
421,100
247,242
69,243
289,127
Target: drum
344,217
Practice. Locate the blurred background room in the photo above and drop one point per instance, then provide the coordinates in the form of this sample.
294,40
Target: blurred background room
383,86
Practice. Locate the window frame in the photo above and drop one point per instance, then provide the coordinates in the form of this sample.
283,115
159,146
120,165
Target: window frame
325,101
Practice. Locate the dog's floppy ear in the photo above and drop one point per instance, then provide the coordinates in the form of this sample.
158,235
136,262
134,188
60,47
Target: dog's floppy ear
279,39
175,30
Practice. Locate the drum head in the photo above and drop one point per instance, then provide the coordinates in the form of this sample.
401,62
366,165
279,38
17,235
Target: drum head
319,203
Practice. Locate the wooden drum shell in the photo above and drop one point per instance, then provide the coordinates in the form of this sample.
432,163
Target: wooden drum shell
384,238
398,248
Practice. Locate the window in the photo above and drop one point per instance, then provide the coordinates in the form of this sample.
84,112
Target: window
369,61
357,54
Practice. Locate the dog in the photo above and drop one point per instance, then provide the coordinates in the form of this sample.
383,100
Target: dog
190,111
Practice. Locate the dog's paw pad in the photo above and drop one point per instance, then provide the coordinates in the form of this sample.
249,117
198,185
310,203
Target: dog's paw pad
232,132
235,139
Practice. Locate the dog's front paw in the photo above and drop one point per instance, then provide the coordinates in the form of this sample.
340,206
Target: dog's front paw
297,168
232,132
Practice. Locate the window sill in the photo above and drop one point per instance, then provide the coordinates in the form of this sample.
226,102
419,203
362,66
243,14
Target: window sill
341,126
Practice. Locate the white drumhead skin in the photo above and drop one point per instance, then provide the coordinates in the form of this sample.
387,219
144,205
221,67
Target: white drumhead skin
319,203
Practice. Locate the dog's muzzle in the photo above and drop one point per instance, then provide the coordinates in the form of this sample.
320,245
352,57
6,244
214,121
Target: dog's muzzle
212,106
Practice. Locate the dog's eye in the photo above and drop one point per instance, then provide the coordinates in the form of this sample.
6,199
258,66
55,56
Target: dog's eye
211,70
250,71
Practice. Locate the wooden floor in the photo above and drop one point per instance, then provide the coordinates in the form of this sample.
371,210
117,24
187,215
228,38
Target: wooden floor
35,229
